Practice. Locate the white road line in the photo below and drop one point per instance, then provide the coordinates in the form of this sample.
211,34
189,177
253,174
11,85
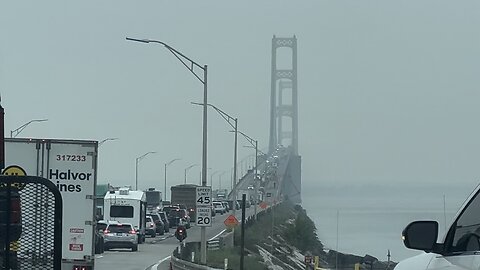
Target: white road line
217,235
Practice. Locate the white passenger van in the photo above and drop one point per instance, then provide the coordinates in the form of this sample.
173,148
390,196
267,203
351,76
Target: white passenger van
458,250
127,206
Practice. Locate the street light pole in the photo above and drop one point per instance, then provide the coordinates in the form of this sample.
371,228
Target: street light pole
211,177
229,119
165,184
186,170
220,180
254,143
22,127
190,65
137,160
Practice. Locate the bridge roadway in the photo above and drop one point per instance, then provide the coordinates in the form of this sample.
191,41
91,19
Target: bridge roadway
157,249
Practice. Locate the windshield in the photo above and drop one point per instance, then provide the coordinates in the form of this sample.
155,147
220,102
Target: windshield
154,217
101,226
466,232
121,211
114,228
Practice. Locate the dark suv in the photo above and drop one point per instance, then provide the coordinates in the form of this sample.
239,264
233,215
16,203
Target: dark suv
176,214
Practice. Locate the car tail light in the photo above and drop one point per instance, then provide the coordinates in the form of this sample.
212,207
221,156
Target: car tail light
151,224
106,232
132,232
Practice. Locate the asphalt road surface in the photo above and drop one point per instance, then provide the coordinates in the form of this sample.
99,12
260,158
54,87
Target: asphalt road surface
154,254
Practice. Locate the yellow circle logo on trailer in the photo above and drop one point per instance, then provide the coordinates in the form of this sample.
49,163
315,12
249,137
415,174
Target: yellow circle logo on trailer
14,170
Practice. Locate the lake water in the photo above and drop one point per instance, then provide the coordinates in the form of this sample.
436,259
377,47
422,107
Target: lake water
371,218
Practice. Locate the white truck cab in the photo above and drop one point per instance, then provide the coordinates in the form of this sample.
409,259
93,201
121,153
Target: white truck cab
459,248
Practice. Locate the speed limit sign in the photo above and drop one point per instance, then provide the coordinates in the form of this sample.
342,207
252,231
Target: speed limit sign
204,207
204,217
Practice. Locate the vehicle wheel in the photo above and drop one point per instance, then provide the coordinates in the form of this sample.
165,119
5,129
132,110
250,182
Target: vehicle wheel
162,232
153,234
135,248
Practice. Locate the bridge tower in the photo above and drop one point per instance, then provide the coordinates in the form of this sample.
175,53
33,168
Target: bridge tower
284,82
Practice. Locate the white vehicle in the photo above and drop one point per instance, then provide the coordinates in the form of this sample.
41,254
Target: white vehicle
127,206
458,250
219,207
72,166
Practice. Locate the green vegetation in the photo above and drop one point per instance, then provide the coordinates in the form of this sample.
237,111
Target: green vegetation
299,231
259,231
216,259
302,233
289,225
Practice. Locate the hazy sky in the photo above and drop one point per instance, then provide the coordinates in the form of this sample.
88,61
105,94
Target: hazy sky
388,90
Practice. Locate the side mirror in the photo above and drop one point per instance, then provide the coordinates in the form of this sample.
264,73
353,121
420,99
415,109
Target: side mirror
421,235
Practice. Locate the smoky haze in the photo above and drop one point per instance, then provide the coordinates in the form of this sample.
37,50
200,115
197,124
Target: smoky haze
388,90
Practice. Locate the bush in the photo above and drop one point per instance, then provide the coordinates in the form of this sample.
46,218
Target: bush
303,233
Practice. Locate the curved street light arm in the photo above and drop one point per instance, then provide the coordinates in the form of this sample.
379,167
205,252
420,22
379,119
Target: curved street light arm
107,139
191,166
248,138
144,155
180,56
22,127
171,161
253,147
223,114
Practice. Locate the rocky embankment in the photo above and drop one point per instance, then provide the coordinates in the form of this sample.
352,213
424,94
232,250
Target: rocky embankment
284,235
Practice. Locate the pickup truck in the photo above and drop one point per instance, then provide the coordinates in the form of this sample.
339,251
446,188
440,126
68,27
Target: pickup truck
459,249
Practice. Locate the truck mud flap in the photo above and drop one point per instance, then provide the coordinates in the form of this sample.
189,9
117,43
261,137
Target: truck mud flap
30,224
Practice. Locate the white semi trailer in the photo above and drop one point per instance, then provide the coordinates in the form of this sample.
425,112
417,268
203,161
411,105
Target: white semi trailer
72,166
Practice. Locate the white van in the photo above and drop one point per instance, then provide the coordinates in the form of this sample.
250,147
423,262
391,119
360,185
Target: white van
127,206
458,250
